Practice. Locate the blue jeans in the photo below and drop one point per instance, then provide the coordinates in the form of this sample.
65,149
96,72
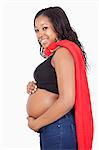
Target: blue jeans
59,135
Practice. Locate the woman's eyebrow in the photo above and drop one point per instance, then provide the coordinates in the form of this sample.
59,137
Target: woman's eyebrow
42,24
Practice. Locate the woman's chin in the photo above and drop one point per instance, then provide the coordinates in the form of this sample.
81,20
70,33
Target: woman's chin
46,45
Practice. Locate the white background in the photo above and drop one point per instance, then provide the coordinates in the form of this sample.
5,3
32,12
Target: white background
19,55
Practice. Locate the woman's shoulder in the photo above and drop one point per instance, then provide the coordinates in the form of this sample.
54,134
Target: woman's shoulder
62,55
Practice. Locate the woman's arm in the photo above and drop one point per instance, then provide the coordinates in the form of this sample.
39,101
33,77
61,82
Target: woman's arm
65,71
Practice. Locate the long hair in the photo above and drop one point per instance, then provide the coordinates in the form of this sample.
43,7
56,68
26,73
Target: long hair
61,24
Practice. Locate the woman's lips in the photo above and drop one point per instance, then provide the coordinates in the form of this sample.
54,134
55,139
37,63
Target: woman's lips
45,41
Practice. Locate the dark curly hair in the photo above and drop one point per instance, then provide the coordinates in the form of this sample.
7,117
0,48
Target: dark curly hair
62,26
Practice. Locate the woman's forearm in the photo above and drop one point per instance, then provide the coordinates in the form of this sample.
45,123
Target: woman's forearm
56,111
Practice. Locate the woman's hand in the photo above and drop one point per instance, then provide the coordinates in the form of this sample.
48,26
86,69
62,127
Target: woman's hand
32,124
31,87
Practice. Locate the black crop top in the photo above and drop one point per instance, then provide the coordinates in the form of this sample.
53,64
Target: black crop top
45,76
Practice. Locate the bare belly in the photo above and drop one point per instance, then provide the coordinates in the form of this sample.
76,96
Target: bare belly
40,101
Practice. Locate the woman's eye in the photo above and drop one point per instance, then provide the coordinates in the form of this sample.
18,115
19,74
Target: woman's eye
36,30
44,28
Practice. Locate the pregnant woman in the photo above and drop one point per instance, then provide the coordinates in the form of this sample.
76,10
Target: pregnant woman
58,108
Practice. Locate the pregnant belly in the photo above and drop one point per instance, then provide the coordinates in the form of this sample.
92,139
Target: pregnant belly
39,102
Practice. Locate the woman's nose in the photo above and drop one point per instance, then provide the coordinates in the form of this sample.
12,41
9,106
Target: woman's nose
40,34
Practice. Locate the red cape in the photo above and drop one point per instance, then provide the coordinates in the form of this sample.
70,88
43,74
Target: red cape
83,111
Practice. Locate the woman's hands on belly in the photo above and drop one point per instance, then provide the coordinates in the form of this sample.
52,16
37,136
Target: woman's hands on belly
39,102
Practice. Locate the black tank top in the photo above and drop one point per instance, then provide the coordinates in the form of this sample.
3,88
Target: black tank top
45,76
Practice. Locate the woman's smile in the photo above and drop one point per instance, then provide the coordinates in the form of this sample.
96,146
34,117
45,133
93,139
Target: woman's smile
44,41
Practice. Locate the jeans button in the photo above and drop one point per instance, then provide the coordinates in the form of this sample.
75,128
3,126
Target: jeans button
58,125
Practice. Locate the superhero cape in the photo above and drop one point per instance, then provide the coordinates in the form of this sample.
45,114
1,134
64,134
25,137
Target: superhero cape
83,111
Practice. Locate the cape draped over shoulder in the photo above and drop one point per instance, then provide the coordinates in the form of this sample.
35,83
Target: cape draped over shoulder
82,107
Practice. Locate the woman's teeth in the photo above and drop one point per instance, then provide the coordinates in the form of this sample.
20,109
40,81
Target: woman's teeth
44,41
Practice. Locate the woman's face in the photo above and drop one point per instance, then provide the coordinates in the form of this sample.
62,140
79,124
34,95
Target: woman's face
45,31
